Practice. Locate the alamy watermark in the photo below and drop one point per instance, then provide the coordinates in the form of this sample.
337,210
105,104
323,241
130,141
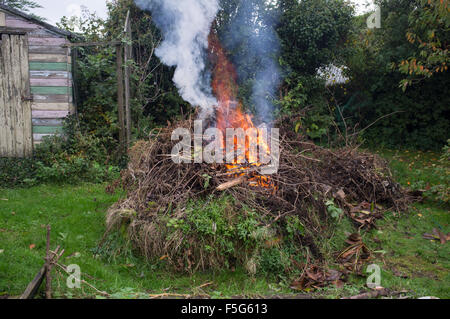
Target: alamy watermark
374,20
238,146
374,280
74,279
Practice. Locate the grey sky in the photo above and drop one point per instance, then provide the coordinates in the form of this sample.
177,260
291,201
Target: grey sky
55,9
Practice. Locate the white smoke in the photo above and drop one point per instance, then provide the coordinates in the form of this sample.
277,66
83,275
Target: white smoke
185,25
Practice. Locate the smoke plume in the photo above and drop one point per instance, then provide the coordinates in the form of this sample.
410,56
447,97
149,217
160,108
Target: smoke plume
185,26
252,38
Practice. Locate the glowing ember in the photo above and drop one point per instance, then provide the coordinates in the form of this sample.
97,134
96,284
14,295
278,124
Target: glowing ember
229,114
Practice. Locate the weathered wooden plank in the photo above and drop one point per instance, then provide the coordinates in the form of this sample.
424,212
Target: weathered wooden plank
2,19
47,129
13,22
41,33
17,122
127,75
45,49
49,66
25,79
37,98
47,41
48,122
51,82
45,57
34,285
49,114
51,90
49,28
12,31
6,132
3,104
50,75
51,106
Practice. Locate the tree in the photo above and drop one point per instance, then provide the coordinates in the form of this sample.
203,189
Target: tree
312,32
429,31
416,117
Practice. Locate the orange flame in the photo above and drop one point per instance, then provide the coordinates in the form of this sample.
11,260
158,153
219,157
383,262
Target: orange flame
229,113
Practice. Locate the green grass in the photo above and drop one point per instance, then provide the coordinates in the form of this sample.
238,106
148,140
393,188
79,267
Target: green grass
77,216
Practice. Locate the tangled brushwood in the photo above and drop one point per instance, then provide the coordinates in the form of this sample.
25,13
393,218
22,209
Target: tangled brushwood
182,214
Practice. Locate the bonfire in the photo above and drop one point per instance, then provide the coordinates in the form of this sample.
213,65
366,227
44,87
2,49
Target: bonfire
309,180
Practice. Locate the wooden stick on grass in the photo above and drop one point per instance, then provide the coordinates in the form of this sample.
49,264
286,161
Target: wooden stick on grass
48,265
231,184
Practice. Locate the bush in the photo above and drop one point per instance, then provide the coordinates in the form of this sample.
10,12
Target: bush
73,158
17,172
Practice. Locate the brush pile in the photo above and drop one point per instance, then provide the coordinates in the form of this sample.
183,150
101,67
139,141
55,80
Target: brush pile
314,188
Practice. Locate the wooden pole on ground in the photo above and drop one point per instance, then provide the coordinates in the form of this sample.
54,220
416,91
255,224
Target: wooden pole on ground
48,266
127,54
120,98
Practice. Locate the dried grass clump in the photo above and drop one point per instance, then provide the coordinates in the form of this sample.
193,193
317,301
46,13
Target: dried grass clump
309,176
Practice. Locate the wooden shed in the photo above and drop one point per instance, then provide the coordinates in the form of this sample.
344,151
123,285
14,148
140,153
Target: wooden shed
36,89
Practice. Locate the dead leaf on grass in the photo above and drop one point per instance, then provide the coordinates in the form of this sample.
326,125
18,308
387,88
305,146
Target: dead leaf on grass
437,235
355,255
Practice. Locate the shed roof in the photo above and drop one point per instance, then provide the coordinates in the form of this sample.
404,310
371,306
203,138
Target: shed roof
36,21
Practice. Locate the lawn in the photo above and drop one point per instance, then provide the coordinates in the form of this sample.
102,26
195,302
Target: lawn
409,263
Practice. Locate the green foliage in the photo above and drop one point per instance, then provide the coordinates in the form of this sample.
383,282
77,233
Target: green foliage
294,227
311,32
273,261
155,99
416,118
72,158
333,210
428,29
229,235
217,223
16,172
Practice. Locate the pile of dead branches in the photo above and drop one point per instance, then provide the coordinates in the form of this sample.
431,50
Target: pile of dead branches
359,183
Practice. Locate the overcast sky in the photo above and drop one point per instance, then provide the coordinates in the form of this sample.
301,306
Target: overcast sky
53,10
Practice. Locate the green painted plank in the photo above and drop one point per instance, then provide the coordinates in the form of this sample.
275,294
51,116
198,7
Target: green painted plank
49,66
47,129
43,90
